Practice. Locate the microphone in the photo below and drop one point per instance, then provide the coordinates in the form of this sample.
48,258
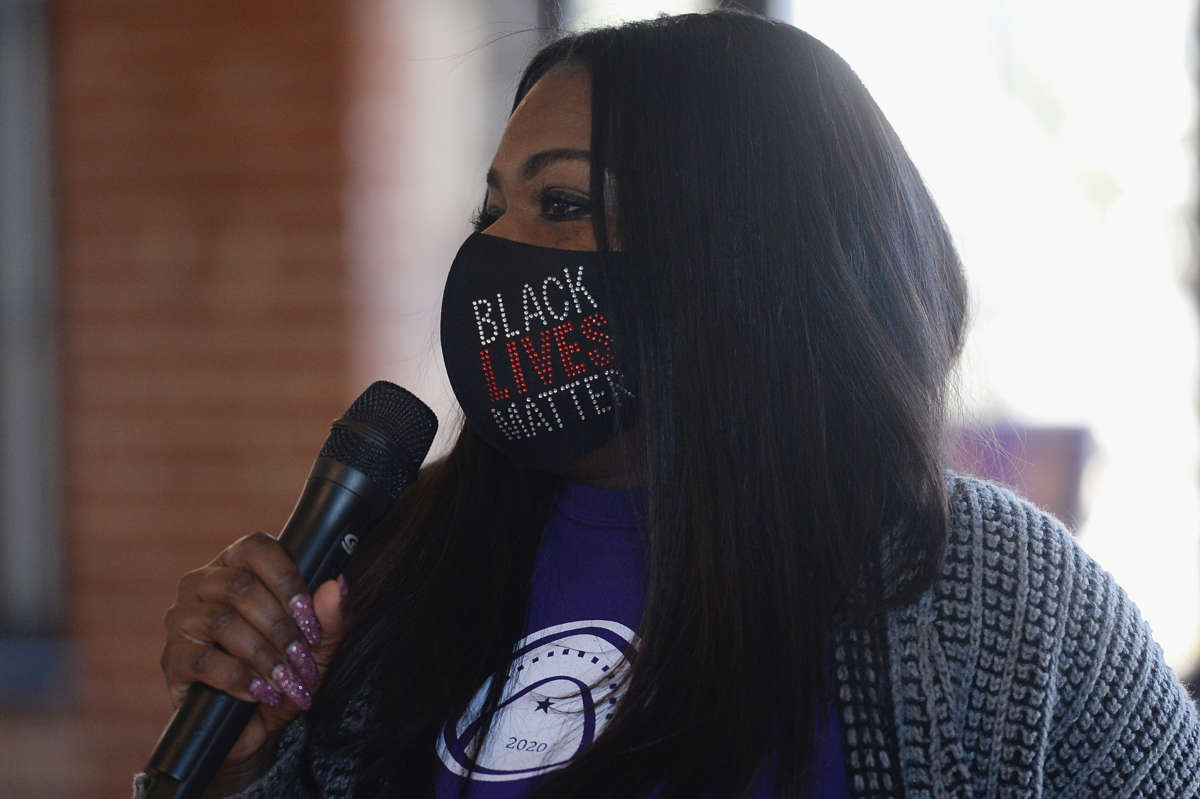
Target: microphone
372,454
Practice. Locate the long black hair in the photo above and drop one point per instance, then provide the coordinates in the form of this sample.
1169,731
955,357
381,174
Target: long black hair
794,306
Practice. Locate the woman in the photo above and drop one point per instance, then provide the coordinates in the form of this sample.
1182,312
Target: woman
706,251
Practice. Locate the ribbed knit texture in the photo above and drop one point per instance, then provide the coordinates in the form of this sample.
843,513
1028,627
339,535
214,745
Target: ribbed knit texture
1024,671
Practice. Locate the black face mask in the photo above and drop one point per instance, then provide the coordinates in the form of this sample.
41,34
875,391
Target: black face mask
528,350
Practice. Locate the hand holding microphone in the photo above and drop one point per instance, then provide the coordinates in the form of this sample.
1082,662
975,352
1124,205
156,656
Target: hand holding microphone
243,629
246,625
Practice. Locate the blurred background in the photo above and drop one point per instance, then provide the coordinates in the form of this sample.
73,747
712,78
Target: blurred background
220,221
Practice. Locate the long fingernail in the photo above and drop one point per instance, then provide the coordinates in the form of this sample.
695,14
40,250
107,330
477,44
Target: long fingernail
291,686
343,589
303,663
302,611
261,690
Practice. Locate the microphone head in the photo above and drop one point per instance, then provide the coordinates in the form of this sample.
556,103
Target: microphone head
385,434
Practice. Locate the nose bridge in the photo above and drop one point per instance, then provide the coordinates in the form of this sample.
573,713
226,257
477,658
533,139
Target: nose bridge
506,227
517,225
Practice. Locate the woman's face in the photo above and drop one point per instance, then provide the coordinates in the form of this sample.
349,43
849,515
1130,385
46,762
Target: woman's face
539,192
538,187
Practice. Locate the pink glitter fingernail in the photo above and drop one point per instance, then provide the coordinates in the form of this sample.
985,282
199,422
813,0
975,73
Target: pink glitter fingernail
302,611
261,690
291,686
343,588
302,661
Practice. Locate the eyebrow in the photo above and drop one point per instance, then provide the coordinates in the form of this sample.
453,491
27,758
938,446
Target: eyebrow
539,161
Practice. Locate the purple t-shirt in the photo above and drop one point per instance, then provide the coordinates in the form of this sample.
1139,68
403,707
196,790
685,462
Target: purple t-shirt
569,670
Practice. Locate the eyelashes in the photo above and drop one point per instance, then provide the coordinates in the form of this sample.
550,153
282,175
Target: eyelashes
554,205
482,219
560,206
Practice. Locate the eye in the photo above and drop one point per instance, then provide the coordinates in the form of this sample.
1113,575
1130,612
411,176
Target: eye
560,206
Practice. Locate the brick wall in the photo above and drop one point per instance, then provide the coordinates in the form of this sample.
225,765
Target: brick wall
203,324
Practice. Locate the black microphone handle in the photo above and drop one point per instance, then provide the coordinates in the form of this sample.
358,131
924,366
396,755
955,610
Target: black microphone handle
196,742
338,505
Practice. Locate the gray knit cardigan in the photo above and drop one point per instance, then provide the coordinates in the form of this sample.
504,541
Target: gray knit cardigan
1024,671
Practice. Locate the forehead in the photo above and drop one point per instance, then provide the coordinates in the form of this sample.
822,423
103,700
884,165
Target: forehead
555,113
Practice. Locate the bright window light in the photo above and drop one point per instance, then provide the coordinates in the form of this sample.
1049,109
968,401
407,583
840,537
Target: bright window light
1058,140
583,14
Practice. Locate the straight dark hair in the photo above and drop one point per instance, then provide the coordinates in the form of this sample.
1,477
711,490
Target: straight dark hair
792,307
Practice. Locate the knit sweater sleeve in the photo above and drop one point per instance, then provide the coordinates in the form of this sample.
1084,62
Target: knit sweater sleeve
1122,725
1026,671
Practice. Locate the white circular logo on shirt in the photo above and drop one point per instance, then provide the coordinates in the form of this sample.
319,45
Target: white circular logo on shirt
562,687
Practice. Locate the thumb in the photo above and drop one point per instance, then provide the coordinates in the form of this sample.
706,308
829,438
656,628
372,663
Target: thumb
327,603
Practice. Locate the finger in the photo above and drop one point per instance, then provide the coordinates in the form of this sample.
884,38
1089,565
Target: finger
265,693
241,590
177,692
328,603
261,554
249,742
225,626
186,663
